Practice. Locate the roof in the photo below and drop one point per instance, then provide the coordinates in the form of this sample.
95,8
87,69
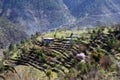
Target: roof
49,38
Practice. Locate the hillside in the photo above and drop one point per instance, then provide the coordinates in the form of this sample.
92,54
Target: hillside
92,7
92,55
10,32
38,15
94,12
44,15
47,15
32,16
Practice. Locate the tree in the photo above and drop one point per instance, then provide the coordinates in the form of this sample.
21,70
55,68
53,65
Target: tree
55,35
11,47
71,35
6,55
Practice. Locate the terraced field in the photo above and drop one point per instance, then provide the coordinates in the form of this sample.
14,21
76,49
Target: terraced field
60,61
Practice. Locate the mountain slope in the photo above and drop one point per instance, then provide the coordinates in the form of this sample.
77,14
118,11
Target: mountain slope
95,12
44,15
37,15
31,16
10,33
80,8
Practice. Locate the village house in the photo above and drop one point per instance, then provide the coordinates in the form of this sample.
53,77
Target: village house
47,41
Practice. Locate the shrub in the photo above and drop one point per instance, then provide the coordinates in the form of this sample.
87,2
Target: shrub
24,50
82,67
119,49
6,55
111,42
38,52
105,62
96,56
49,74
